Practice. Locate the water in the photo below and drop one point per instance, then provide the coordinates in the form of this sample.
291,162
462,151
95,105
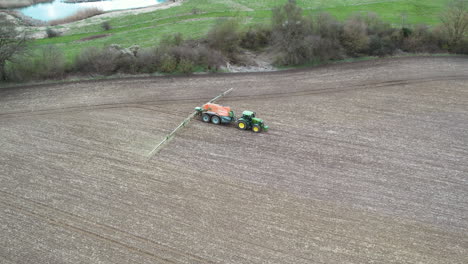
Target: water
58,9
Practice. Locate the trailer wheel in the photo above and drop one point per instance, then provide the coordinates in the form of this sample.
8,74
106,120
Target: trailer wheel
215,120
206,118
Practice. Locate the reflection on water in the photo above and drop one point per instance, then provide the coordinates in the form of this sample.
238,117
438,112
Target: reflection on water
58,9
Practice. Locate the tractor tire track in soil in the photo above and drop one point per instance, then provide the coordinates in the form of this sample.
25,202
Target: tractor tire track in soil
238,97
365,163
100,231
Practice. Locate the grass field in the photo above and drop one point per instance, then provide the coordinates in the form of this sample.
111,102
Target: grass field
148,28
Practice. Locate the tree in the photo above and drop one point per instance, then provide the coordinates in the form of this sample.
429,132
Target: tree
290,30
12,43
455,22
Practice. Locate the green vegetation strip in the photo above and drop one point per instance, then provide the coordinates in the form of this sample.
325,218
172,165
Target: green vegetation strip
151,27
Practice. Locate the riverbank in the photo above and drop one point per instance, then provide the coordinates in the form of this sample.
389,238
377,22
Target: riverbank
140,10
80,1
21,3
37,28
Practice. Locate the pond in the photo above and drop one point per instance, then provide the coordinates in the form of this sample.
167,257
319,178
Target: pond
58,9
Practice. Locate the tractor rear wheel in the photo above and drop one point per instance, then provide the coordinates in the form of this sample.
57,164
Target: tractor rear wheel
256,129
242,125
215,120
206,118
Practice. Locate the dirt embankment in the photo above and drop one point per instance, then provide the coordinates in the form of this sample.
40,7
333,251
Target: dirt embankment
20,3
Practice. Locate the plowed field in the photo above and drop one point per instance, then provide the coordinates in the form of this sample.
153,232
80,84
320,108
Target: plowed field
365,162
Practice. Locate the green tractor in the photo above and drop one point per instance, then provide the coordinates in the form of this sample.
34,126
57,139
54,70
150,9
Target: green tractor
249,121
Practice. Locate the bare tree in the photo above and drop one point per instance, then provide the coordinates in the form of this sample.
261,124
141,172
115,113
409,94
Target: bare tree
12,43
289,31
455,21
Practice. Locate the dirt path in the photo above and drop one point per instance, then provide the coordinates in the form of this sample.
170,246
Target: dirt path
365,163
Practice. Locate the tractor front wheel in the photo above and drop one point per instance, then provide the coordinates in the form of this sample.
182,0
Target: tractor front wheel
206,118
215,120
242,125
256,129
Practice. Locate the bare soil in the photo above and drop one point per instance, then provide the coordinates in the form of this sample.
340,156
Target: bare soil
365,162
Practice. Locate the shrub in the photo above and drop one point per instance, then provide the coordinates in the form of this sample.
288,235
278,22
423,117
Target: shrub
47,63
375,26
304,40
440,39
455,23
51,33
224,36
330,31
461,48
94,60
186,66
422,40
168,64
210,59
184,58
108,60
289,31
326,26
106,26
80,15
406,32
12,43
52,62
148,60
196,11
381,46
256,37
126,63
134,49
355,39
324,49
184,52
124,58
21,70
169,41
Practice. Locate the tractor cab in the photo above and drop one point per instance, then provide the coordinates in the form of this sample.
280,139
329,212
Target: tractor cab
248,115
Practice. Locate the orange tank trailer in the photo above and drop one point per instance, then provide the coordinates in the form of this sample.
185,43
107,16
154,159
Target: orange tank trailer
216,114
218,109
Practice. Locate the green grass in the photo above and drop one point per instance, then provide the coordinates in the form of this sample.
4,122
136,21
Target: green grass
397,12
147,29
